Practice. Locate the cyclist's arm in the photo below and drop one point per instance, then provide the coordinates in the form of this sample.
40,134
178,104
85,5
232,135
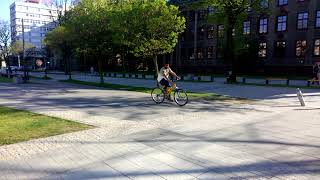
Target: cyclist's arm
174,74
168,79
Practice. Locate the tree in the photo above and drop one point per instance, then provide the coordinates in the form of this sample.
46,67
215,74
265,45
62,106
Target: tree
230,13
59,41
5,44
61,7
16,48
90,25
149,27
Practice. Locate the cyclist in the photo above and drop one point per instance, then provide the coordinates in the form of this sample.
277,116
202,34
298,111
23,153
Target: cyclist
164,74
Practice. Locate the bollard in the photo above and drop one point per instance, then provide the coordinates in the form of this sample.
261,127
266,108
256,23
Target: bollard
300,97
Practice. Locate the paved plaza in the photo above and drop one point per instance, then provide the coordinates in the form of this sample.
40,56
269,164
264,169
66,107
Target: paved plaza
270,138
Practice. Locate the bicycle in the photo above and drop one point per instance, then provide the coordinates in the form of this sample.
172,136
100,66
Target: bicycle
180,96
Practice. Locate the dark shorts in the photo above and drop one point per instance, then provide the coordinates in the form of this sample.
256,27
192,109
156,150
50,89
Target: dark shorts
165,83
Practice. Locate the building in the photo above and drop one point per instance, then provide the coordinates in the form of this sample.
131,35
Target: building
287,39
38,18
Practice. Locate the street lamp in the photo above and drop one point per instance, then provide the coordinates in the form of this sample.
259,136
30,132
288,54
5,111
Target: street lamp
1,45
23,56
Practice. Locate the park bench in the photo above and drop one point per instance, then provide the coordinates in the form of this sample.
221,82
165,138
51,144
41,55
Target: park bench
312,81
269,79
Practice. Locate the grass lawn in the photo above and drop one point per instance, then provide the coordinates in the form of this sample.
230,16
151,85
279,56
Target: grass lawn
42,78
5,80
192,95
17,125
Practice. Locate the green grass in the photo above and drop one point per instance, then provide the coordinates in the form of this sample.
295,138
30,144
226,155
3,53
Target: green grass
17,126
43,78
192,95
5,80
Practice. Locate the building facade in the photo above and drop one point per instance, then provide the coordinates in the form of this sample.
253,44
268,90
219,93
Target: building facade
38,19
287,38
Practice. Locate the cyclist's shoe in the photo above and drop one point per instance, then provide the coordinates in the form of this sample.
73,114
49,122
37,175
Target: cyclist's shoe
168,97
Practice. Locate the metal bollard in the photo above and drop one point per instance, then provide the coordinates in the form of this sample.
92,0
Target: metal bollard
300,97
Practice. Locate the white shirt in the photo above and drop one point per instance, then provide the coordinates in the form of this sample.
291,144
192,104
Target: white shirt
164,73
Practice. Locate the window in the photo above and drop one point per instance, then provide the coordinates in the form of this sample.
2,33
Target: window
191,54
202,15
201,33
302,22
210,32
246,27
282,23
183,53
316,50
263,26
262,50
301,47
220,31
210,10
210,52
200,53
282,2
280,49
264,4
318,19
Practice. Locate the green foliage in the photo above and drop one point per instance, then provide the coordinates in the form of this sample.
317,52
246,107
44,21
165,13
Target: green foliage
17,47
99,28
151,28
90,24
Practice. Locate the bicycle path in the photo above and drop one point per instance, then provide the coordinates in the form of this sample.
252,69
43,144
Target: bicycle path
274,94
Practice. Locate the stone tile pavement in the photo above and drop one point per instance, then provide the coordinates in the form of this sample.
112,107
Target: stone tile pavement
135,139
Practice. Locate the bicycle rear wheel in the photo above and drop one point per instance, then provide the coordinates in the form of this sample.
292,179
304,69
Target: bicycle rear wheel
181,97
157,95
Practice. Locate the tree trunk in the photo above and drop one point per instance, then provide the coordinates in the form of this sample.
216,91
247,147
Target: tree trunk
9,72
155,61
69,68
100,66
230,53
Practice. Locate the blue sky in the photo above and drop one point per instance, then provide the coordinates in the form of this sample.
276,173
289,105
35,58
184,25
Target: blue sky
4,9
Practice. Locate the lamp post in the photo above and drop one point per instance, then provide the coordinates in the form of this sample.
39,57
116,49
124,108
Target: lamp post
23,55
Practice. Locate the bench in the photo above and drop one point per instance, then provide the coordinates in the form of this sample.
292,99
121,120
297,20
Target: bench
312,81
277,79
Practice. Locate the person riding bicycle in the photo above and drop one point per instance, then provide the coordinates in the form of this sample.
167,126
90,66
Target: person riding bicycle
164,74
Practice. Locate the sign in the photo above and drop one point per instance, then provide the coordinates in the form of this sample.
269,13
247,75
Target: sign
39,62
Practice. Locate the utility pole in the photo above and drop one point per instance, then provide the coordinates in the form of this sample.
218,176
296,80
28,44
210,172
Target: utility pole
23,55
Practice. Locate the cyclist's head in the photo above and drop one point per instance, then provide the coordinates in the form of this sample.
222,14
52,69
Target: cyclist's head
166,66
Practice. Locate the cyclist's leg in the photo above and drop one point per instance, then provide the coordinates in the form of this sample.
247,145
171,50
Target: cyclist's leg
165,84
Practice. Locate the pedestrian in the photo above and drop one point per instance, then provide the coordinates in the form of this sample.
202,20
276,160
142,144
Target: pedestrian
316,73
91,70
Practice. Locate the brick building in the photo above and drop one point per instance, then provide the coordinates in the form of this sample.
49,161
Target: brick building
287,39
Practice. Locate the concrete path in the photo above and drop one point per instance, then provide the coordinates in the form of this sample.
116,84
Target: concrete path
278,94
136,139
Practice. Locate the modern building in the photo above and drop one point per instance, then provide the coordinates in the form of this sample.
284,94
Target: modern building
287,38
38,18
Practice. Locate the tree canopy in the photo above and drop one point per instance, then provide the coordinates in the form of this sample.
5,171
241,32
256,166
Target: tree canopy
151,28
147,27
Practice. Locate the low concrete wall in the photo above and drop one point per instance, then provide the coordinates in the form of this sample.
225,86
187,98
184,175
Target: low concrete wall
149,77
119,75
206,78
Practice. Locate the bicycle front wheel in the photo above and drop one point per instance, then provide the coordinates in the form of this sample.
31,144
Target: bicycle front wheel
181,97
157,95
